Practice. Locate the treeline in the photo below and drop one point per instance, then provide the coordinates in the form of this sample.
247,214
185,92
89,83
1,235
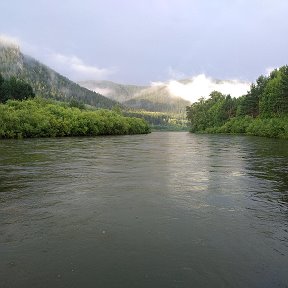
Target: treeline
263,111
40,117
160,120
14,88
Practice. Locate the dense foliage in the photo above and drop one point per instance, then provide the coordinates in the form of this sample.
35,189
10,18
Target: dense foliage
47,118
14,88
160,120
263,111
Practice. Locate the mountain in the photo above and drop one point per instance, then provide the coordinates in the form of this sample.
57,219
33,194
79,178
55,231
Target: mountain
158,99
115,91
150,98
45,81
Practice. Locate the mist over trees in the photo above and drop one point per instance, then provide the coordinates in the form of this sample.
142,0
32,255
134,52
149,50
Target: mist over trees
51,85
46,82
155,104
263,111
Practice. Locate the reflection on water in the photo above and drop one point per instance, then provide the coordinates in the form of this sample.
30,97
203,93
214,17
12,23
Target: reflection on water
159,210
270,162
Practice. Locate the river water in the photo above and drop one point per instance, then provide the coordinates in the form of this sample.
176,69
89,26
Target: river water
168,209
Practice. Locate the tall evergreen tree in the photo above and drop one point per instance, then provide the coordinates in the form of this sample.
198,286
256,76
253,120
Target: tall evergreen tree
14,88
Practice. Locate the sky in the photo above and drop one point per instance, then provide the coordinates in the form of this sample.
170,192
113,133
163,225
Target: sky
145,41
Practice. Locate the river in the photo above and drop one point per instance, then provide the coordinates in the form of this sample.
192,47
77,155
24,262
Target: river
168,209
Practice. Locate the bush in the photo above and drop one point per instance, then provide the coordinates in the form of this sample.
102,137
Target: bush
265,127
273,128
46,118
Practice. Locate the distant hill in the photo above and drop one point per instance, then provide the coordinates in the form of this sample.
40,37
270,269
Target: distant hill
115,91
150,98
45,81
158,99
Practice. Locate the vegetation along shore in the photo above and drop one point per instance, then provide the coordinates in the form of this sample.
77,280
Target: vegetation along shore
263,111
39,117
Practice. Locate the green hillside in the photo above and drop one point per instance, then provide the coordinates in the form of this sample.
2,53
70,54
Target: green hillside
45,81
158,99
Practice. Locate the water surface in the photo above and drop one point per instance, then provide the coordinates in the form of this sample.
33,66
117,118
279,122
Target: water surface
168,209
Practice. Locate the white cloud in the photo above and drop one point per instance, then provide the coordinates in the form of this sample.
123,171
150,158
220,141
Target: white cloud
69,65
77,69
102,91
201,86
25,47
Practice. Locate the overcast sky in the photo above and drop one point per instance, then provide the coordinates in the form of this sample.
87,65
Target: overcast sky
141,41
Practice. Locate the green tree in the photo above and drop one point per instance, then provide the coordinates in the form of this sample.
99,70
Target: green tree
1,79
77,104
197,115
274,99
1,91
249,103
268,104
283,90
14,88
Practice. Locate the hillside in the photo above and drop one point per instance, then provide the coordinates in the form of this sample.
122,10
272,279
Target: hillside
45,81
149,98
158,99
115,91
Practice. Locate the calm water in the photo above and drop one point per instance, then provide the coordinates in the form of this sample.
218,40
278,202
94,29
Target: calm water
159,210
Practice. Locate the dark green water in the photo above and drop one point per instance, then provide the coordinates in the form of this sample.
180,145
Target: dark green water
160,210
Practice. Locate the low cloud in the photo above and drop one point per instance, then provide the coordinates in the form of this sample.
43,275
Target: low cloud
102,91
76,69
201,86
9,41
69,65
158,83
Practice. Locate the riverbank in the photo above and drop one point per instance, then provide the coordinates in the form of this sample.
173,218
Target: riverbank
263,111
272,127
47,118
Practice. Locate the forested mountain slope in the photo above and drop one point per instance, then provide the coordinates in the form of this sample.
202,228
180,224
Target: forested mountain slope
112,90
149,98
158,99
45,81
